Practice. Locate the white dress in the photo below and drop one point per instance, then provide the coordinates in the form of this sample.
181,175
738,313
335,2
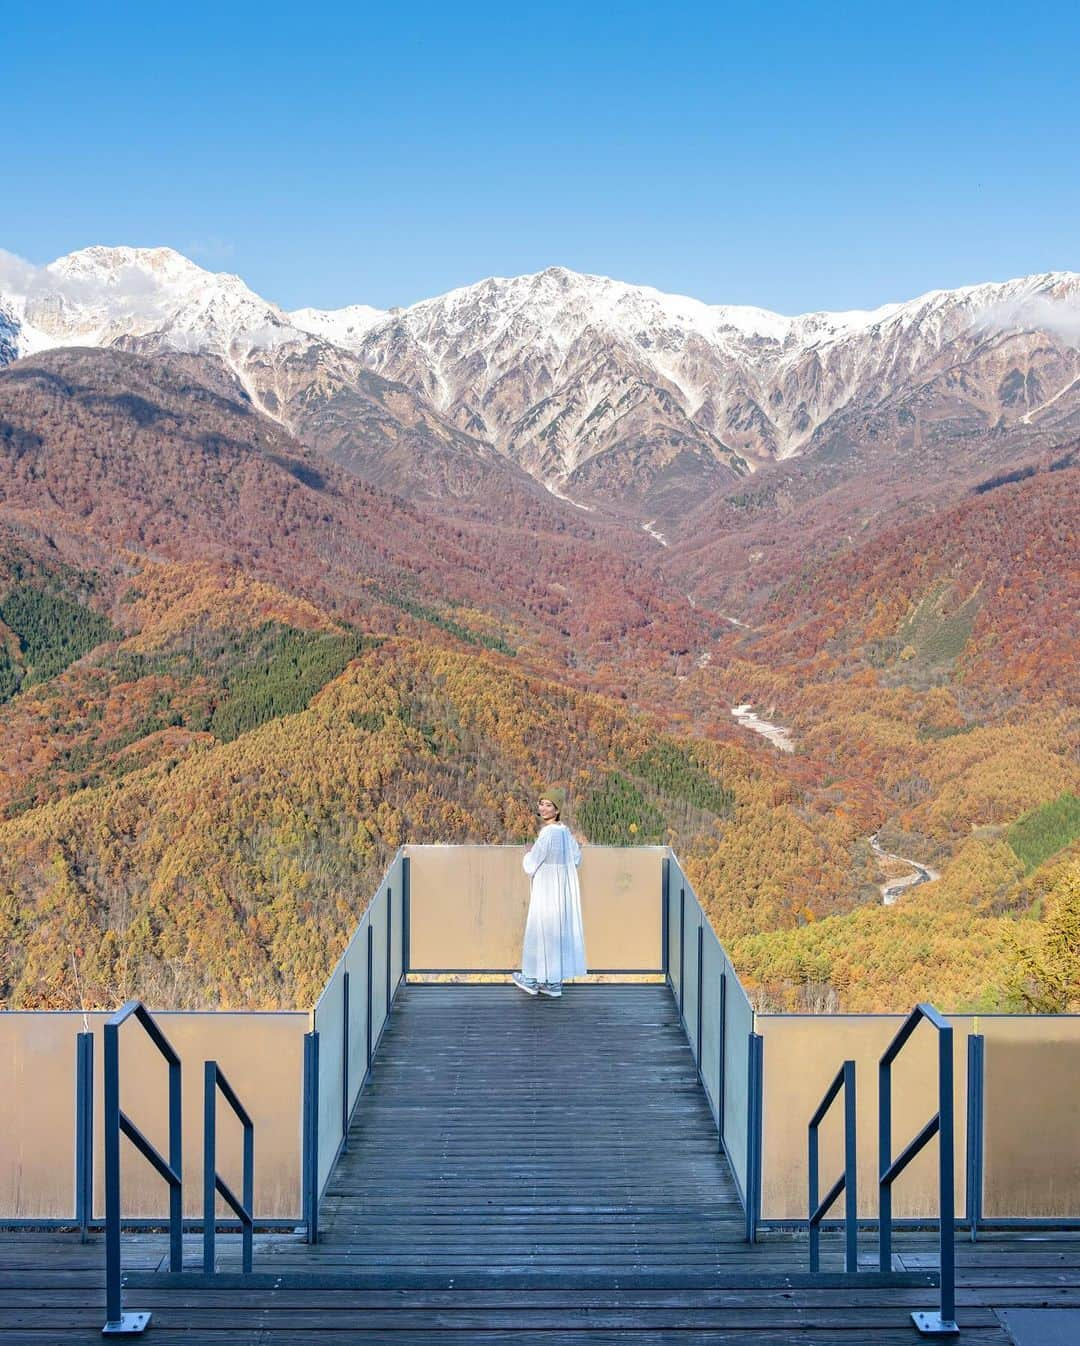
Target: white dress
554,947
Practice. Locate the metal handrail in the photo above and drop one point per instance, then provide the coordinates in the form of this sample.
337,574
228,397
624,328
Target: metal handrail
943,1322
678,901
213,1082
119,1323
84,1133
846,1183
976,1129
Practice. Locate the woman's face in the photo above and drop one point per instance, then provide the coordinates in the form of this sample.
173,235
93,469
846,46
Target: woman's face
546,810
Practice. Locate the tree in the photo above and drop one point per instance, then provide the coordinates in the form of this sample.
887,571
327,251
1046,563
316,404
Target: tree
1047,968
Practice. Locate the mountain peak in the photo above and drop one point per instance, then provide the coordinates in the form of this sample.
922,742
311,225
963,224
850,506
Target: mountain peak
558,368
107,257
97,295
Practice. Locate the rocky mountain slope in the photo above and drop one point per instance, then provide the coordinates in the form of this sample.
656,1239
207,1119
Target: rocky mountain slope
110,458
615,395
152,300
602,385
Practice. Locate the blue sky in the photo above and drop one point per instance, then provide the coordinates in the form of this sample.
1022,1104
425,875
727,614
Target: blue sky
796,156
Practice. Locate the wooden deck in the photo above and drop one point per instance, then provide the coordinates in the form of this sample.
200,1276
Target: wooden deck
529,1171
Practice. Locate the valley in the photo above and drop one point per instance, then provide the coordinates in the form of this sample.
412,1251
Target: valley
279,591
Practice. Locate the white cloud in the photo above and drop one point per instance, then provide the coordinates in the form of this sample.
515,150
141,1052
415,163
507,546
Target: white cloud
1060,316
124,291
16,274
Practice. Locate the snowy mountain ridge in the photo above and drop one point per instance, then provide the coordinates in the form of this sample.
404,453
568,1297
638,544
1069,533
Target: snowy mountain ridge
556,367
599,388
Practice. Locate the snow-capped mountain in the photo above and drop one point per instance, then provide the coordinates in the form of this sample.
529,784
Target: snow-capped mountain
99,295
155,300
604,391
150,297
558,368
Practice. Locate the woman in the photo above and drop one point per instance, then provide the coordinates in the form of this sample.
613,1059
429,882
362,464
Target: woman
554,947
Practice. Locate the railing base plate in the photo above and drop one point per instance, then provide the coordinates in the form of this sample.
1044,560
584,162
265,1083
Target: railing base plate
127,1325
932,1324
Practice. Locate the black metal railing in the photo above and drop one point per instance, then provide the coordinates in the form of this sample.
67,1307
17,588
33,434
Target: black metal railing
685,936
360,1014
84,1133
213,1184
310,1171
117,1122
942,1322
755,1122
976,1129
846,1183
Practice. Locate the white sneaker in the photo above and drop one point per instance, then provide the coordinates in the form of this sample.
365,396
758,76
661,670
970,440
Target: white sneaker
523,985
553,991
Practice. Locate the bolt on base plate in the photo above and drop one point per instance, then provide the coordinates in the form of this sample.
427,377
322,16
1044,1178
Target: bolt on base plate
127,1325
932,1324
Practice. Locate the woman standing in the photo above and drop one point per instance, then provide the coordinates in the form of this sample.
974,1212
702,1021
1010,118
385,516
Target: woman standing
554,946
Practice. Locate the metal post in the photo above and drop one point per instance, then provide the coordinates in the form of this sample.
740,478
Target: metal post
209,1165
176,1160
311,1136
406,916
249,1197
665,917
884,1160
114,1308
117,1322
758,1044
975,1136
345,1062
84,1133
369,990
389,945
754,1064
813,1197
723,1064
700,963
946,1161
682,950
851,1160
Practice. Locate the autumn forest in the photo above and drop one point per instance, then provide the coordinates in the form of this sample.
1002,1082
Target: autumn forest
235,676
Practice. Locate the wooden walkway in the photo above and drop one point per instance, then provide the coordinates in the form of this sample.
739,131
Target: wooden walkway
528,1171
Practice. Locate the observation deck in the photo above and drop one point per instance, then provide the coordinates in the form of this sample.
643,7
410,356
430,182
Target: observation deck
438,1157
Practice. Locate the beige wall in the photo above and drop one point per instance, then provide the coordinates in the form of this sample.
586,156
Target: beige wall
468,906
802,1055
37,1114
1032,1111
261,1054
1032,1125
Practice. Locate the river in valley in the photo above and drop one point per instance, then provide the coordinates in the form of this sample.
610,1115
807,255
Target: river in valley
775,733
893,888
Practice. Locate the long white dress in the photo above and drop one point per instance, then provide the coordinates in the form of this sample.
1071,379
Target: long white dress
554,947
